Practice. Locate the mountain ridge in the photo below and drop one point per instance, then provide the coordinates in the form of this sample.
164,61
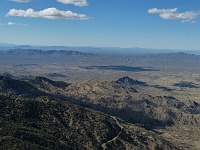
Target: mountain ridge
110,97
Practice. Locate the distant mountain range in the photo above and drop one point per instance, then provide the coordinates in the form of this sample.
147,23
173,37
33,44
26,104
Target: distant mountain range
160,57
99,50
174,56
37,52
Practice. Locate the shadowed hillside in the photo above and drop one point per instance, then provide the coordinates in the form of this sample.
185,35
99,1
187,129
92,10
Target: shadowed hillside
119,98
46,123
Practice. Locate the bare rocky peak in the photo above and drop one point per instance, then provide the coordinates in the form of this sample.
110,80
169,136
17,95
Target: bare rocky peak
130,81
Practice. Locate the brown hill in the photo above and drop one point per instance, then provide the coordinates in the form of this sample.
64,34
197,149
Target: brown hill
132,106
118,99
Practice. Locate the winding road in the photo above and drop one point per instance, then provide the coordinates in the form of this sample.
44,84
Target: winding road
104,145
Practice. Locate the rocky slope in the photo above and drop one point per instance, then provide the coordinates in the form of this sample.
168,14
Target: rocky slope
46,123
135,107
116,98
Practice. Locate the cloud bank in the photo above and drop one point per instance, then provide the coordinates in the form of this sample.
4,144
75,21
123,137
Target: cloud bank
79,3
49,13
173,14
21,1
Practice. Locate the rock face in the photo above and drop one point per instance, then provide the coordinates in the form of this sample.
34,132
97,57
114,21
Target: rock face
46,123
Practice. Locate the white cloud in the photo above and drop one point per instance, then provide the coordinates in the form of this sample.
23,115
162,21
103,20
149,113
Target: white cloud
11,23
161,11
79,3
21,1
15,24
49,13
173,14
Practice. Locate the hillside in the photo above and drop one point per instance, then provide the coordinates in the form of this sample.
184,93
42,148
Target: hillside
161,115
46,123
124,101
116,98
11,87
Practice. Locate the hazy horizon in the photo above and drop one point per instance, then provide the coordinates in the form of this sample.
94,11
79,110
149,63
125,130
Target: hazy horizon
157,24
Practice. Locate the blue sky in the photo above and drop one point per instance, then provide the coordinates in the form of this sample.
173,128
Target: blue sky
170,24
